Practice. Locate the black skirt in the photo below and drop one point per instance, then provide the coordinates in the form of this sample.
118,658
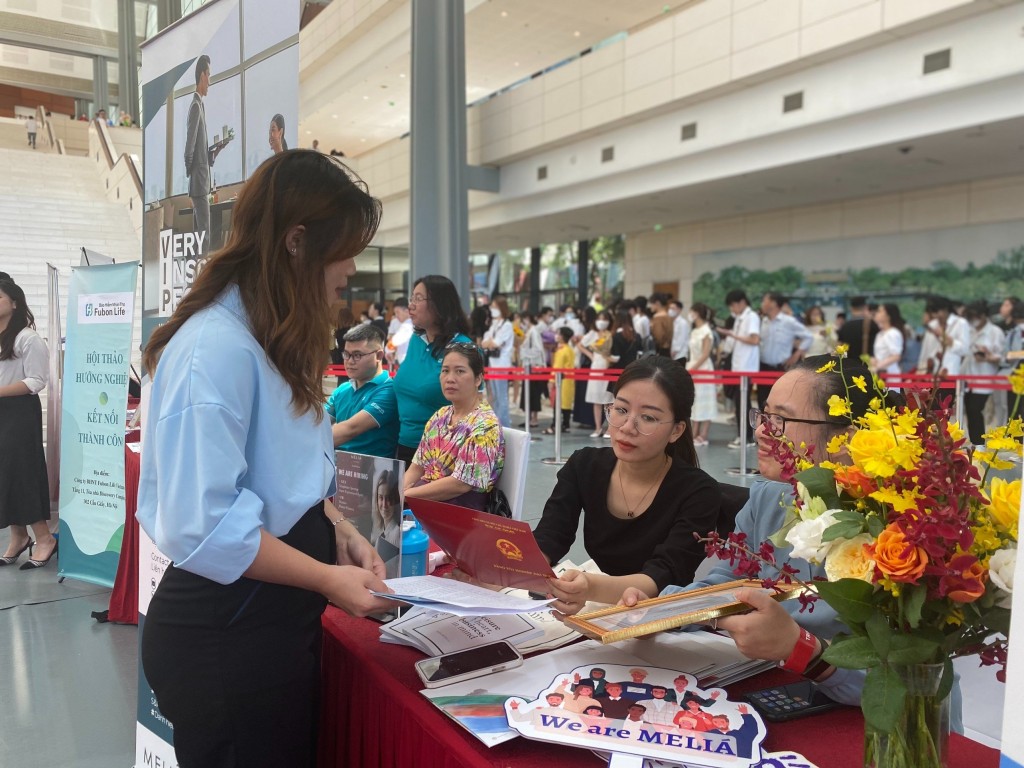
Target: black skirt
236,667
24,489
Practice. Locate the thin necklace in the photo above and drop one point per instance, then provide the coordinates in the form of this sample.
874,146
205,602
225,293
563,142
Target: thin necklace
631,513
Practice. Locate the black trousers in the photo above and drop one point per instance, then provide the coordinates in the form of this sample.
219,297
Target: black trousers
236,667
974,406
763,390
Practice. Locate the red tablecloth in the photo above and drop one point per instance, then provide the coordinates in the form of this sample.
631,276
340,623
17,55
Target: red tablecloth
124,599
373,715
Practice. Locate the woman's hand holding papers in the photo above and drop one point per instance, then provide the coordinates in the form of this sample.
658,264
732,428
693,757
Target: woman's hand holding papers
571,592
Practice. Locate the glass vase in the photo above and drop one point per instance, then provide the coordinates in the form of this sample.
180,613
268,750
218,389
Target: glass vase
920,738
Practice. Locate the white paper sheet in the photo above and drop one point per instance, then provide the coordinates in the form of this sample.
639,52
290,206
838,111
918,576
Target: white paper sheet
457,597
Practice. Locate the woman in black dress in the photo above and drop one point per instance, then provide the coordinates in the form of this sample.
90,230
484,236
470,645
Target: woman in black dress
24,491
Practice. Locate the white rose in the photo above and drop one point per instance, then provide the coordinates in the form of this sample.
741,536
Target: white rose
1000,570
805,537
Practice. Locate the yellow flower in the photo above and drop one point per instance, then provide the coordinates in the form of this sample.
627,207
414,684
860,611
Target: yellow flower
849,560
991,459
829,366
875,404
871,451
900,501
842,349
860,383
1004,507
1017,381
837,442
838,406
954,431
986,541
906,422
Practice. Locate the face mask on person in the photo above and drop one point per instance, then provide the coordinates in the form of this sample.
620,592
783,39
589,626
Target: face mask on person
673,312
570,315
601,325
495,313
692,318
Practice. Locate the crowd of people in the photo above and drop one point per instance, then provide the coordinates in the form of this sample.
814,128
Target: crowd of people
239,467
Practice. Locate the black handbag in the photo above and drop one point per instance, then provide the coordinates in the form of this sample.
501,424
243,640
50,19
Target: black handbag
497,504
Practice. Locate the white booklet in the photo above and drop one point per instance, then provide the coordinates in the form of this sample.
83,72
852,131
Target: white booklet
458,598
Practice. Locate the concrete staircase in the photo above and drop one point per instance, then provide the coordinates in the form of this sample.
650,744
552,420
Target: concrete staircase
50,207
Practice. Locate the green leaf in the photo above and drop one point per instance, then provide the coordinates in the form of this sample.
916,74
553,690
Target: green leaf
843,530
912,649
820,482
882,698
913,600
879,633
849,516
852,653
946,683
998,620
875,526
850,598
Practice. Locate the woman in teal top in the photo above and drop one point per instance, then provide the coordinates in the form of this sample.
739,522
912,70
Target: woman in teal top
437,315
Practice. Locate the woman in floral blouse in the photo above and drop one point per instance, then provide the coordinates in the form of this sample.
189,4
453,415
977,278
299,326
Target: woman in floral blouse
462,452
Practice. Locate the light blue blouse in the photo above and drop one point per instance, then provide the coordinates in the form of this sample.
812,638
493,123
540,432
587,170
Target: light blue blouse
760,517
225,453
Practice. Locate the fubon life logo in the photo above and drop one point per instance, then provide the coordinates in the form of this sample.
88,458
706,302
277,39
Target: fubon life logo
94,308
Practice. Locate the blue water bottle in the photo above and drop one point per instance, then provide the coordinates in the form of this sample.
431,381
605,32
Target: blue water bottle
414,546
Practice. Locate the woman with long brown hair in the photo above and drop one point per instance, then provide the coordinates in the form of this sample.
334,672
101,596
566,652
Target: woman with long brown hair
238,462
24,492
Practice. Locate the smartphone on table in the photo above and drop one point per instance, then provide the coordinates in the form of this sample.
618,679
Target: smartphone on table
465,665
788,702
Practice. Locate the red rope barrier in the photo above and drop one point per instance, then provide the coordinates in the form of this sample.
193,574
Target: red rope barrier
911,381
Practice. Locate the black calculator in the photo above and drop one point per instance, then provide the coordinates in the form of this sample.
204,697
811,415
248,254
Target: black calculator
788,702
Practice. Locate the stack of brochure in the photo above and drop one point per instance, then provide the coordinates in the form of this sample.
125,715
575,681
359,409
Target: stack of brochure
439,632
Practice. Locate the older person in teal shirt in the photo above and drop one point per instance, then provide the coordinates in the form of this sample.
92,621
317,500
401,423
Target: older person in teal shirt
439,319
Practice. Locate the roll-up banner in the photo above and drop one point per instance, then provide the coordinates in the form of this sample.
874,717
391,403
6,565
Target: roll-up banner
101,306
220,94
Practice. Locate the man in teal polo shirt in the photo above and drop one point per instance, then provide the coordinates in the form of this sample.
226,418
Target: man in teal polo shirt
363,410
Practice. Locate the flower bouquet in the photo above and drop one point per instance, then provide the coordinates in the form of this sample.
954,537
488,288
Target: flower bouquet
917,534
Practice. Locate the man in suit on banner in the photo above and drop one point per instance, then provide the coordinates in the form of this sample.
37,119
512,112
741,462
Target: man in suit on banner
198,156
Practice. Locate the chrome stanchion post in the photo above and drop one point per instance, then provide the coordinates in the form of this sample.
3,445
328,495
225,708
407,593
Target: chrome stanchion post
742,470
557,400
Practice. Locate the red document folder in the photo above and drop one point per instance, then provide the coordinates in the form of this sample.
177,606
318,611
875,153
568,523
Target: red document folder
491,549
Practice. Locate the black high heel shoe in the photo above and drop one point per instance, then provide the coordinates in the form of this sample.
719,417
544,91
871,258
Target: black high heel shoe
14,558
30,563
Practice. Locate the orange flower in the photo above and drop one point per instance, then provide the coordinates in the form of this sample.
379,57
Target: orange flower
897,558
855,482
966,582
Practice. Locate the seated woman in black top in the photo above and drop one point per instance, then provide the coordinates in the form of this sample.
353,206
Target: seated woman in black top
642,499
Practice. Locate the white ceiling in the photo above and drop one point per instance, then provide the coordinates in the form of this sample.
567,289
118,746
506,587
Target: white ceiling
506,41
932,161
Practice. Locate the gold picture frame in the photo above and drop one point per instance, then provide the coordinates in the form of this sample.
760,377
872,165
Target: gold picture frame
609,625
